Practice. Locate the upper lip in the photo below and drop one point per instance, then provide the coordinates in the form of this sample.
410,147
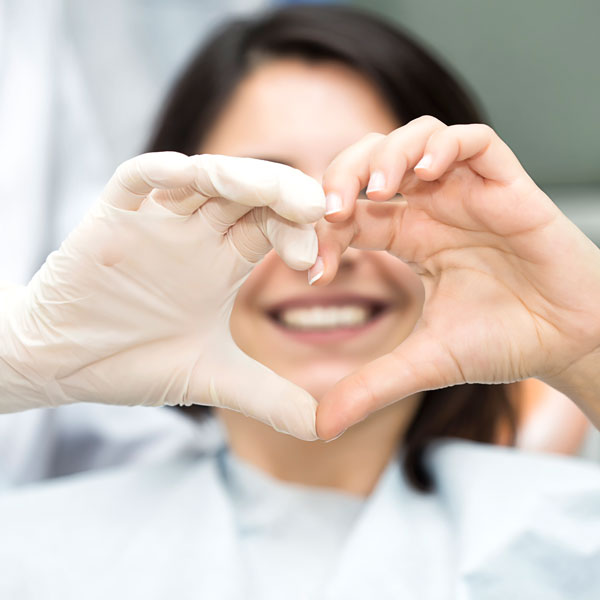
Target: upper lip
309,301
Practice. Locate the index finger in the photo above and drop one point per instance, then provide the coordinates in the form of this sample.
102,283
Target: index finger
252,182
477,144
375,226
137,177
380,161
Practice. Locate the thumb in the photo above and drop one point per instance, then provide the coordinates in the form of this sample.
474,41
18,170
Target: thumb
420,363
240,383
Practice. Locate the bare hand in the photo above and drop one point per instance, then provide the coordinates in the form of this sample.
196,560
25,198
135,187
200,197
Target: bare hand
512,287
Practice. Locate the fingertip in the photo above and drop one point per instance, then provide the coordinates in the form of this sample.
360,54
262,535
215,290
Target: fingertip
340,197
312,202
425,164
297,263
325,268
424,168
336,217
340,434
379,195
326,431
296,244
299,198
376,181
316,272
333,203
338,207
378,189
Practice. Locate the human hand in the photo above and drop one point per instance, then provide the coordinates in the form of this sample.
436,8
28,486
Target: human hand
512,287
134,308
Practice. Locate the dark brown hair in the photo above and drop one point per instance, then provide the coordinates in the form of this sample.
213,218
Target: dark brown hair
412,82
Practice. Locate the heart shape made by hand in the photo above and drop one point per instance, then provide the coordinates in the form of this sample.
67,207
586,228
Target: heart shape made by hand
134,307
504,271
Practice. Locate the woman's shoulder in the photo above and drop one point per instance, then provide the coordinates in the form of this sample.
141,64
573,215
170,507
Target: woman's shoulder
115,491
119,494
501,487
521,520
127,531
48,443
496,469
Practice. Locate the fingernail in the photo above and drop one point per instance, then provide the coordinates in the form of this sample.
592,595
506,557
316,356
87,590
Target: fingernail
376,182
316,271
336,437
333,203
425,162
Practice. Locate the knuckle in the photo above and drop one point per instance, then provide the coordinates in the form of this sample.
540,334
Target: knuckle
484,129
429,120
372,137
335,165
439,135
125,175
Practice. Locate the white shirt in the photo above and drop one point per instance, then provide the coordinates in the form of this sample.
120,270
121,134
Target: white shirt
204,524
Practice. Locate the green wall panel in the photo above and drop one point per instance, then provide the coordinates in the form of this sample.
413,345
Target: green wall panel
534,65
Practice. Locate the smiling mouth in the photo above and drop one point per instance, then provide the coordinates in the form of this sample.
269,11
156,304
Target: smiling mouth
324,318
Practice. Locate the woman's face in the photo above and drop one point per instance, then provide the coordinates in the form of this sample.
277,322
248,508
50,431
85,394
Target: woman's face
303,114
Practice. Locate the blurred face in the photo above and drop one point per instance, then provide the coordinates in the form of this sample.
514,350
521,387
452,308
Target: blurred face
303,114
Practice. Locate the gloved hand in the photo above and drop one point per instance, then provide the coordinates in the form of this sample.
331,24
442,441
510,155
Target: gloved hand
134,308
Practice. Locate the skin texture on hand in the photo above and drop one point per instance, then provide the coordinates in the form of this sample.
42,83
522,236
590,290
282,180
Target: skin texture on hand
134,308
580,381
511,285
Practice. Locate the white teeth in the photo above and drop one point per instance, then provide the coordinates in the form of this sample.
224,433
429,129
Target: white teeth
325,317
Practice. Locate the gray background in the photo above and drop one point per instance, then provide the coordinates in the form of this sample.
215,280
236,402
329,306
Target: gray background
534,64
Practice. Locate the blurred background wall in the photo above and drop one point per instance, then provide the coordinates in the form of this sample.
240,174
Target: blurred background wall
80,84
534,64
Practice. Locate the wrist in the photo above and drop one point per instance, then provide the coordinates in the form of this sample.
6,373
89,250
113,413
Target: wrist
20,388
581,383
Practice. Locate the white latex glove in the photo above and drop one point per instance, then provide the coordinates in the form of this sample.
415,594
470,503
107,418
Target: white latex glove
134,308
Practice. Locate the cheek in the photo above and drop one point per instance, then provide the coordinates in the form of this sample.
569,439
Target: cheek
407,284
246,315
400,275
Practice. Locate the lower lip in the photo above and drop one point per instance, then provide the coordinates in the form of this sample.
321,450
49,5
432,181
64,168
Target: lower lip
339,334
